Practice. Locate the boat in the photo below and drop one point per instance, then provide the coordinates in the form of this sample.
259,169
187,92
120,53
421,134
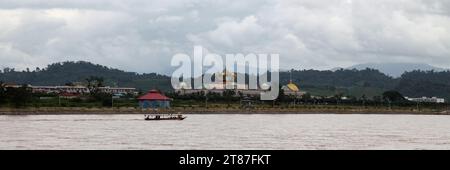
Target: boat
165,117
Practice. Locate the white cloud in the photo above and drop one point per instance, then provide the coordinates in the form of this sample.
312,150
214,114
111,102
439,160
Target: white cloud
231,33
142,35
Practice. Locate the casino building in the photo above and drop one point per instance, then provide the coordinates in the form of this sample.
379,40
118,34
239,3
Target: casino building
229,78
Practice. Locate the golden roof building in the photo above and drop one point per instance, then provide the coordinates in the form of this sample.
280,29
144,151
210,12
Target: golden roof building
292,89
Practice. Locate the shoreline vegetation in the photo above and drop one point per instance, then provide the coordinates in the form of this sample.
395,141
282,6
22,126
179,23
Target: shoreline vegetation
219,110
22,100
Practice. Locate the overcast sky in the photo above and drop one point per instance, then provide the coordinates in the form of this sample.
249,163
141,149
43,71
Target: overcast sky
142,36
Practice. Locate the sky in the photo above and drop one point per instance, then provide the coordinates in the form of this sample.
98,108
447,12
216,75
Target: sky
142,36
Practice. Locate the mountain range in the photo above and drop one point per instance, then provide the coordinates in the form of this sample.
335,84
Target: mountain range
351,82
397,69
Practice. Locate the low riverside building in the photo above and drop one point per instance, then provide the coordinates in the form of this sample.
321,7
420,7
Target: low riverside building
237,92
81,89
11,85
219,87
76,89
290,89
426,100
60,89
118,90
154,99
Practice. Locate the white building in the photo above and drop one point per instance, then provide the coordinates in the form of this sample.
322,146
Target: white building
81,89
59,89
228,78
426,100
219,86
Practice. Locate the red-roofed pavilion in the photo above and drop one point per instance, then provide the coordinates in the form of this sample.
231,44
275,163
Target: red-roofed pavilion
154,99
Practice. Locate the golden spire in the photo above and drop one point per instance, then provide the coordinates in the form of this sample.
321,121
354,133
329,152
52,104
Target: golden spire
290,77
291,85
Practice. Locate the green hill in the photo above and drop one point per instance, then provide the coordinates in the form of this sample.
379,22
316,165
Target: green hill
68,72
368,82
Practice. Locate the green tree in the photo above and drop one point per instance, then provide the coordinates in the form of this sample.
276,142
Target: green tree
393,96
94,83
338,97
363,100
19,96
229,95
281,94
306,97
2,93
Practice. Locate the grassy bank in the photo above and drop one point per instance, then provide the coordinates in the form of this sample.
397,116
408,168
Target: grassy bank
223,109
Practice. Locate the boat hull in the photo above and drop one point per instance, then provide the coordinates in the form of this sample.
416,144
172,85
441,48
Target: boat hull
155,119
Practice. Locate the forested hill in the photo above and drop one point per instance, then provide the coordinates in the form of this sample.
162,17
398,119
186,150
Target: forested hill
368,82
340,78
69,72
424,83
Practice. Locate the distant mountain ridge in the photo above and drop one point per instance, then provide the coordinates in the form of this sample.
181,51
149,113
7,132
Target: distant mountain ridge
397,69
349,82
69,72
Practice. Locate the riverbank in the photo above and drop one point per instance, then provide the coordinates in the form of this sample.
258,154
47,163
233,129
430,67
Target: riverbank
78,110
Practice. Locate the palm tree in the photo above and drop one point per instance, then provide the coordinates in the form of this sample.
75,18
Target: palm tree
2,92
338,97
364,98
2,85
94,83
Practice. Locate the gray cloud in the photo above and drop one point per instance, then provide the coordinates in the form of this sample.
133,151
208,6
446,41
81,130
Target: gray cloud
143,35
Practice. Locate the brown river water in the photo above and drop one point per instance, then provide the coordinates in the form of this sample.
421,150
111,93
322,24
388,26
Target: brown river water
226,131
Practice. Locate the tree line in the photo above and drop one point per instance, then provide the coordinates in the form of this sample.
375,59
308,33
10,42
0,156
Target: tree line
23,96
369,82
18,97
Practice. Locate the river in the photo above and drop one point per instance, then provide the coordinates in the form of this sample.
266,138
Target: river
226,131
